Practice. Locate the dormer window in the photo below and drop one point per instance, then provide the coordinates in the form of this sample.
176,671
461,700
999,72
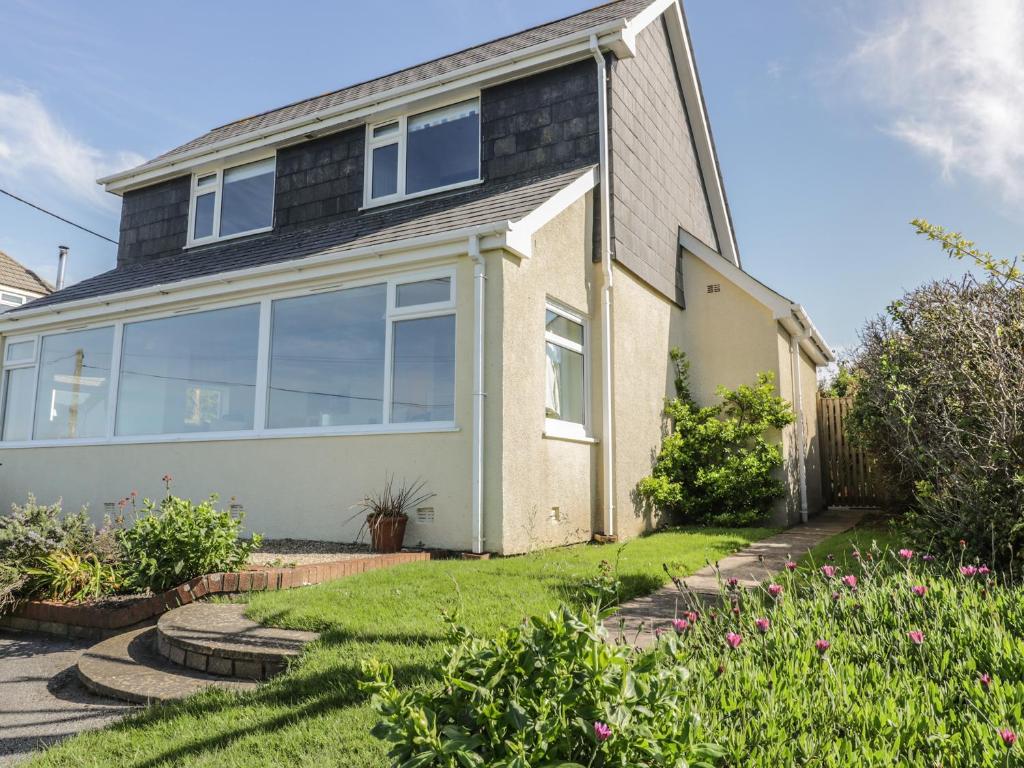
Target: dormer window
415,155
231,202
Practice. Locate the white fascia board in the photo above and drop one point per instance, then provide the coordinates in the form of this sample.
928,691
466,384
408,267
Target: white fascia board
686,68
639,23
499,69
345,264
520,233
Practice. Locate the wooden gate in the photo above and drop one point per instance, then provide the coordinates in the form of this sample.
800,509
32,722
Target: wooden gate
848,475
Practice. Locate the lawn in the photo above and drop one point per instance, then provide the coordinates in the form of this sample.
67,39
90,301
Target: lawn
315,714
875,531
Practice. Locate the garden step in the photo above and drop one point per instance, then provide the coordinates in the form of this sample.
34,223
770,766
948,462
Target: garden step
127,667
219,640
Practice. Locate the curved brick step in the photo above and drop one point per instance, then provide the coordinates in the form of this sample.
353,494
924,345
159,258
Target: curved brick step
127,667
219,640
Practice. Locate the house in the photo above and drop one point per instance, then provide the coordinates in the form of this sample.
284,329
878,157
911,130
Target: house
470,271
18,284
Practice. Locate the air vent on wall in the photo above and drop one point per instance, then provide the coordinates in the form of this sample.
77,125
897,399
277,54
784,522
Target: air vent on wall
425,515
110,508
715,288
237,509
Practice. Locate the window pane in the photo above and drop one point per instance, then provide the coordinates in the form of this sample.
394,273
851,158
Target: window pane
327,359
383,131
74,374
443,147
385,171
565,394
423,292
424,370
205,181
18,403
12,298
20,352
191,373
248,198
564,327
203,226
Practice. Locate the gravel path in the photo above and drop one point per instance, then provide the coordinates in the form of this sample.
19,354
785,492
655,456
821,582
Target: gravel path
42,700
286,552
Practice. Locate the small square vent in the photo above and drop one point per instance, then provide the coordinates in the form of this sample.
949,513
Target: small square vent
555,515
110,508
424,515
237,509
715,288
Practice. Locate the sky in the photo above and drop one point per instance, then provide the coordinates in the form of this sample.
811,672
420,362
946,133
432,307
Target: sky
836,122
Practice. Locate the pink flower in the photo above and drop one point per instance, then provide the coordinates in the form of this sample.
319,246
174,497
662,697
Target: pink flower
906,554
732,582
963,544
985,680
790,566
133,495
928,558
763,625
602,731
828,571
681,625
916,636
167,478
1008,737
984,570
968,570
774,590
691,616
822,645
659,632
850,580
919,590
734,640
836,596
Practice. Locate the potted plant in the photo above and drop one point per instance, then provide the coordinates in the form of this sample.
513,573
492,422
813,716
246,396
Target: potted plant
387,512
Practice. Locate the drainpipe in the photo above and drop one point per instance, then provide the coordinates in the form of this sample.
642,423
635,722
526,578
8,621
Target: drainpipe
801,439
479,397
607,424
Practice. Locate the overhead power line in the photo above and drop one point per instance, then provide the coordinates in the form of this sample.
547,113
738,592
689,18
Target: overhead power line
51,213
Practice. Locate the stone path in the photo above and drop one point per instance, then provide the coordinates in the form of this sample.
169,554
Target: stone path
640,618
41,698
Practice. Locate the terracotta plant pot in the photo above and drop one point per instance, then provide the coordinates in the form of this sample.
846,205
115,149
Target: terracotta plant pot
386,533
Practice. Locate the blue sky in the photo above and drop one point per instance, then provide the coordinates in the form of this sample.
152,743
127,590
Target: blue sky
836,123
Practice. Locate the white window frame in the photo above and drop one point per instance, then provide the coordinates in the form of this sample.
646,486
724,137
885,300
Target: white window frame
401,139
14,365
260,429
559,428
7,302
217,188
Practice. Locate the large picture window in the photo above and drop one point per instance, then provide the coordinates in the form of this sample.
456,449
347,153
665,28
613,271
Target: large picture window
190,373
566,387
232,201
378,356
74,385
426,152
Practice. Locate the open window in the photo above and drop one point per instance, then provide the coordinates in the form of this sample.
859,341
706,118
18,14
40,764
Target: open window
566,401
432,151
232,201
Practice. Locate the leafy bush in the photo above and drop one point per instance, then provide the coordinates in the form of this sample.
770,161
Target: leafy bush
71,577
939,403
891,658
716,466
177,540
32,531
551,692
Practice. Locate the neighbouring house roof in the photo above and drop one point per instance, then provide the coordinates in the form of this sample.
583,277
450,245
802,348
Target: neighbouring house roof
508,203
14,275
266,122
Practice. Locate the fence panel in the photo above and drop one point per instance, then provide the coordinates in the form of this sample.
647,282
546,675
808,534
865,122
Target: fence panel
849,477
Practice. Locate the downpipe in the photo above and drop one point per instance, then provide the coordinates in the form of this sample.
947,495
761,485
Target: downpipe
801,438
479,396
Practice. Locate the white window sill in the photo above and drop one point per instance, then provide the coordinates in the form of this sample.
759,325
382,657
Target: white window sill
269,434
567,431
213,240
380,202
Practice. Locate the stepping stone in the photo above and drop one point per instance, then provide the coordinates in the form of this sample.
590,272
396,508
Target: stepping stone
219,640
127,667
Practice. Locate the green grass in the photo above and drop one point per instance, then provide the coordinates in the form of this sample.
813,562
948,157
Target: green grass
315,715
876,531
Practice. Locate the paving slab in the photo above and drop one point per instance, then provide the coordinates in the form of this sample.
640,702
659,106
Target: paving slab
637,620
42,700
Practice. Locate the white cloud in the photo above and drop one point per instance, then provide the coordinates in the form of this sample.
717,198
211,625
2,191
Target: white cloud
41,156
949,75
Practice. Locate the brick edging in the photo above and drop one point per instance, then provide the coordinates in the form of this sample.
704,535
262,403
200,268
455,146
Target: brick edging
86,621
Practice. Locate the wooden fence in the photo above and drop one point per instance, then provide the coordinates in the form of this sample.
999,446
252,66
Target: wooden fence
848,474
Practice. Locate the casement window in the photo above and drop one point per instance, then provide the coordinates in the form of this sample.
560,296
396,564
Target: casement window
413,155
231,202
378,356
566,374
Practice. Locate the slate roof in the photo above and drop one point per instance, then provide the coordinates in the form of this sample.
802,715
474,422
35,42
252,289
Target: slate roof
436,215
14,275
602,14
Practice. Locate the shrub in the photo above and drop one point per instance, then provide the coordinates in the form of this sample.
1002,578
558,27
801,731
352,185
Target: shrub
32,531
71,577
716,466
939,403
551,692
177,540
